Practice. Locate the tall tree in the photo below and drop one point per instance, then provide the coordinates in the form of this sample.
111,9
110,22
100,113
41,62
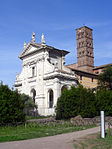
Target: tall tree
11,106
105,79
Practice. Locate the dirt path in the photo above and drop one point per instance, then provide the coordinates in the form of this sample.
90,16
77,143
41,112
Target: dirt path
64,141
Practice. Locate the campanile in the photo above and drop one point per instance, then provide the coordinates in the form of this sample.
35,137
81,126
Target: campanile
85,56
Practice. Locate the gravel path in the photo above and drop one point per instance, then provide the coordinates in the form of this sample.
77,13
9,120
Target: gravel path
63,141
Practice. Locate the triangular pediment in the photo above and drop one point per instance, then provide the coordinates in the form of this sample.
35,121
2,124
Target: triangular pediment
30,48
33,47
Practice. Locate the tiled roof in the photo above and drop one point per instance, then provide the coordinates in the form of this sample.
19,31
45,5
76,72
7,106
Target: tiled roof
102,66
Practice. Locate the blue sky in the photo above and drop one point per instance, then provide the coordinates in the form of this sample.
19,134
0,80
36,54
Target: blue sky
57,19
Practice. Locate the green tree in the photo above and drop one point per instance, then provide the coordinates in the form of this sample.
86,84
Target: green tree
66,104
11,106
28,103
76,101
86,102
105,79
104,102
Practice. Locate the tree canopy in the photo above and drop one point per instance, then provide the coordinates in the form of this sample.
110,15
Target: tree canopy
29,105
11,107
105,79
84,102
76,101
104,102
14,106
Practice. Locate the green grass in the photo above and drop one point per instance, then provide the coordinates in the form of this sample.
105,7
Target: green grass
104,143
83,145
94,142
33,130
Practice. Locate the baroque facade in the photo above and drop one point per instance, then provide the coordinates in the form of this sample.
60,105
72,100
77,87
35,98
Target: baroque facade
44,75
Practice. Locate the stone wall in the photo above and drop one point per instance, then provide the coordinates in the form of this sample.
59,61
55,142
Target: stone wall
79,121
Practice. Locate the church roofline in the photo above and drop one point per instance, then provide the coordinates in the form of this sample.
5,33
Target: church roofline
102,66
64,52
84,72
71,64
40,47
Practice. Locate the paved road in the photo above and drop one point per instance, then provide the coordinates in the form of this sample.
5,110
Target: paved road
64,141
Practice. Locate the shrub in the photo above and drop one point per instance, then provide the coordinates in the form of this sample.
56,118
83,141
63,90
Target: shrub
11,106
76,101
104,102
105,79
29,105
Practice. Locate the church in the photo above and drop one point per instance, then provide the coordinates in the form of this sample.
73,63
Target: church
44,74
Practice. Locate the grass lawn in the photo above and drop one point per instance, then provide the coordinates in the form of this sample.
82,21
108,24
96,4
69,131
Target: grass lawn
37,130
94,142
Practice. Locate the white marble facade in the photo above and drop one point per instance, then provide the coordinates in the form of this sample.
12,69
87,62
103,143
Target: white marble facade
44,75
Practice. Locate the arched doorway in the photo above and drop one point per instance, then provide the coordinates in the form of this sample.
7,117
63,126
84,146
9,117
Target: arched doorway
63,88
33,94
51,98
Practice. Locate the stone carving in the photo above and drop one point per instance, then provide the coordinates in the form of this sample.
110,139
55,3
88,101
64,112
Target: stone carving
34,61
33,37
24,45
17,76
56,66
42,39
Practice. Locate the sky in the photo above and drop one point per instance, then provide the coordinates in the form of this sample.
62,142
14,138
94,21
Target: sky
57,19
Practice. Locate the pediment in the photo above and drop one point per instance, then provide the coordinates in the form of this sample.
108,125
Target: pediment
30,48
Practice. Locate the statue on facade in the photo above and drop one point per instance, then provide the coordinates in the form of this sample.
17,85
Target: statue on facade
42,39
33,37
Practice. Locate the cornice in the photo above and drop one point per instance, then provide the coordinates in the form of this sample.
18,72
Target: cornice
60,75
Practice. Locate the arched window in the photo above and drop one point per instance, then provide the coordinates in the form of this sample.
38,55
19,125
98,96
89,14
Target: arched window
51,96
33,94
63,88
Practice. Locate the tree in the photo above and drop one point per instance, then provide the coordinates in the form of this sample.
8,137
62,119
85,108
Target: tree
105,79
11,106
86,102
104,92
104,102
76,101
28,103
65,104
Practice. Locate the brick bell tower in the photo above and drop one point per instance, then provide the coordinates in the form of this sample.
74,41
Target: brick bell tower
85,56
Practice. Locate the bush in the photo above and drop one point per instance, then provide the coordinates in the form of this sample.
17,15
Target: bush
11,106
105,79
29,105
104,102
76,101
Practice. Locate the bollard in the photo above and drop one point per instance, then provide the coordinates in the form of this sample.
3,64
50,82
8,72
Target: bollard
102,125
